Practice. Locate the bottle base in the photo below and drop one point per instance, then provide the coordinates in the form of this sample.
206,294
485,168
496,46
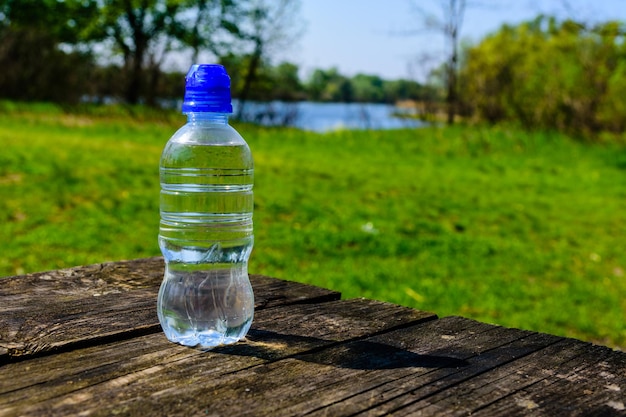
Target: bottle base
204,340
206,308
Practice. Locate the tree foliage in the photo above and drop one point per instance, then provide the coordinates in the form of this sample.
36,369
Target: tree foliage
144,32
135,27
267,24
135,35
550,75
33,65
61,79
331,86
62,21
447,22
543,74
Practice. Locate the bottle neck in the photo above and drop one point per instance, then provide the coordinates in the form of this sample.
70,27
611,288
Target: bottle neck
207,117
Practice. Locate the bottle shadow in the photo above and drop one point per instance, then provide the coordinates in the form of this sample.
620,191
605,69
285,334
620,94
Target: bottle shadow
355,354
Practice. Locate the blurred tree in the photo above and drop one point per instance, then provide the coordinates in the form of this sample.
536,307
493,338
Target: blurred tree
35,69
329,85
144,32
211,25
402,90
611,111
547,74
238,66
454,11
448,22
35,65
105,83
280,82
269,25
63,21
140,34
286,83
316,84
368,88
141,31
235,65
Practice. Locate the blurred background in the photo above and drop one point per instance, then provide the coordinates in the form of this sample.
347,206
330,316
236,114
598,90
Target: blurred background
456,156
554,64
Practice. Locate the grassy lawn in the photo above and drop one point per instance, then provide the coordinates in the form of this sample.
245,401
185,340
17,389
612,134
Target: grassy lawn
519,229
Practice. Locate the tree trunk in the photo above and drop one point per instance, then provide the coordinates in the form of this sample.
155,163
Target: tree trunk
451,96
455,12
250,77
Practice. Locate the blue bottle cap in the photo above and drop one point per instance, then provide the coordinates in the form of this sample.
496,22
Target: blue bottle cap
207,89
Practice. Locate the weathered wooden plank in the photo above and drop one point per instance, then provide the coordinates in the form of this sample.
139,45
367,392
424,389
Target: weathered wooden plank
64,324
381,374
314,381
127,376
300,383
69,308
502,384
592,383
305,355
92,280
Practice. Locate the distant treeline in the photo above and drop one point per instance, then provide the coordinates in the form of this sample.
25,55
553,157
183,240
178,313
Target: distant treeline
87,49
71,77
282,82
543,74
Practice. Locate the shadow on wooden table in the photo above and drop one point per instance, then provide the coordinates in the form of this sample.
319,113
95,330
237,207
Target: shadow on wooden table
358,354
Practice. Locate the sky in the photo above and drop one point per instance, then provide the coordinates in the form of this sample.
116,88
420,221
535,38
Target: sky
386,37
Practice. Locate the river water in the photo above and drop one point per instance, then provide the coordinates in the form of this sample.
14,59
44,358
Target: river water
324,117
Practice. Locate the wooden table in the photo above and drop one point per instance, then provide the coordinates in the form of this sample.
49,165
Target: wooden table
86,341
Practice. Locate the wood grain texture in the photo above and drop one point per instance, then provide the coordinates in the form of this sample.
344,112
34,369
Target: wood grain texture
65,309
149,374
85,341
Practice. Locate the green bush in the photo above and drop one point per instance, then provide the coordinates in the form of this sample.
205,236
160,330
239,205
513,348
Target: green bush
549,75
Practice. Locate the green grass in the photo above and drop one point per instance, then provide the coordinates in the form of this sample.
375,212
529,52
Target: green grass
519,229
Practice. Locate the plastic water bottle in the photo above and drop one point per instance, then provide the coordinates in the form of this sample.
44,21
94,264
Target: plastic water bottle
205,234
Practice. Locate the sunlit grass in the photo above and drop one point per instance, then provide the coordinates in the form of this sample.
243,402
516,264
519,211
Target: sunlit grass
519,229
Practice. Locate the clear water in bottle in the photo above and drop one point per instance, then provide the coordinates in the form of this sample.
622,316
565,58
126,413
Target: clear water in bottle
206,308
206,234
206,237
